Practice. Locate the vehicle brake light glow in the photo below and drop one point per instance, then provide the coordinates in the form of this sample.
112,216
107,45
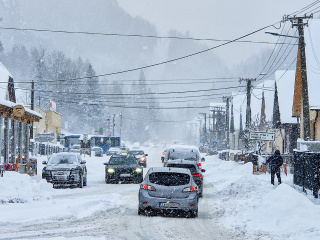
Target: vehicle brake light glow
147,187
197,175
190,189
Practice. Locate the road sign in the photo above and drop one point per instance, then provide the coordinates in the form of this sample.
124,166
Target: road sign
263,136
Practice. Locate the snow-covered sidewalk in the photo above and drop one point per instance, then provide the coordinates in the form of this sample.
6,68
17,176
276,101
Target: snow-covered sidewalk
250,204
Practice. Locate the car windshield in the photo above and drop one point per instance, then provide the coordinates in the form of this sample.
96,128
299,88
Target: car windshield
135,152
122,160
191,167
187,155
63,159
169,179
75,147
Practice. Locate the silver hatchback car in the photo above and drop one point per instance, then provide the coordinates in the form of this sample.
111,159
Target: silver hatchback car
168,190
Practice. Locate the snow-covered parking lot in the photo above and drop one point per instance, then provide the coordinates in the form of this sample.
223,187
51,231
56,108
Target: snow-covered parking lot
236,205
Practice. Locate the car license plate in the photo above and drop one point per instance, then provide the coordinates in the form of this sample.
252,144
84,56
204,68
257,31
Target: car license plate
125,175
59,177
169,204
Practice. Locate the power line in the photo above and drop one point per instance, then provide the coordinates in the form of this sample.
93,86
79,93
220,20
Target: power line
131,35
132,94
162,82
168,61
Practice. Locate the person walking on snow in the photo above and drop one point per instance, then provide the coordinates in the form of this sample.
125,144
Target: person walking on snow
276,162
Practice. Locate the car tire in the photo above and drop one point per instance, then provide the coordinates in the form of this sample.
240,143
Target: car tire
194,214
141,211
139,179
107,180
85,181
80,184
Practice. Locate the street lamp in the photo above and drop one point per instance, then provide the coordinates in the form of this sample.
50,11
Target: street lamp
281,35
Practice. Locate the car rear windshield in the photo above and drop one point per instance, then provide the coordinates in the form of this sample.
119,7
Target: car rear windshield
183,155
122,160
135,152
191,167
63,159
169,179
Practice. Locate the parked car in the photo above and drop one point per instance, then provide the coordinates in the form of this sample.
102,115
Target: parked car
124,168
98,151
76,148
194,169
113,151
140,155
168,189
66,169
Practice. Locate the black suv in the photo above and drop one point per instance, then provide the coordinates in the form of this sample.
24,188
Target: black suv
194,169
124,168
65,168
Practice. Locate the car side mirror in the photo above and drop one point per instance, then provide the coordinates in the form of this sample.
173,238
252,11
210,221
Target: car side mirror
146,155
203,159
83,162
203,170
44,162
105,163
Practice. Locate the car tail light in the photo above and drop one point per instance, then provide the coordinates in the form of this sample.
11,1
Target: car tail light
142,159
190,189
197,175
147,187
163,154
199,165
164,164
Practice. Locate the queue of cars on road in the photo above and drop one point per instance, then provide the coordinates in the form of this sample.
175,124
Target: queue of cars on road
174,188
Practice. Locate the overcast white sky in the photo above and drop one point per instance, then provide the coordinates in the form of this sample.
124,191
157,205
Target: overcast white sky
227,19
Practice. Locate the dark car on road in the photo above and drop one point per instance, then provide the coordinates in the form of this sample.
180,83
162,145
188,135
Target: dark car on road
194,169
123,168
65,169
140,155
168,190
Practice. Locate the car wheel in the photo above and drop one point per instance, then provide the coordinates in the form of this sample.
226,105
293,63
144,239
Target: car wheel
107,180
139,179
140,211
80,184
194,214
85,181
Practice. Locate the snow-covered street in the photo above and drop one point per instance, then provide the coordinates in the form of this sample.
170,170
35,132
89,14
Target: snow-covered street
234,206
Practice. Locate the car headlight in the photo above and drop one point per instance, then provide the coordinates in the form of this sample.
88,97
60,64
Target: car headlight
138,170
74,172
110,170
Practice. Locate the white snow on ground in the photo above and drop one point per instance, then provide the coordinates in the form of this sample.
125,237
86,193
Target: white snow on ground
41,202
251,204
239,200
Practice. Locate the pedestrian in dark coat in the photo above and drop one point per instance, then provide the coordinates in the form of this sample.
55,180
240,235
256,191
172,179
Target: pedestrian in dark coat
276,162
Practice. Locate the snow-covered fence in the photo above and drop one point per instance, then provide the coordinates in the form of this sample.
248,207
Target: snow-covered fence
307,170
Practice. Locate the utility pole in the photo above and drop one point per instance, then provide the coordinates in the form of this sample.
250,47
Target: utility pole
205,127
227,126
32,107
248,109
113,124
299,22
